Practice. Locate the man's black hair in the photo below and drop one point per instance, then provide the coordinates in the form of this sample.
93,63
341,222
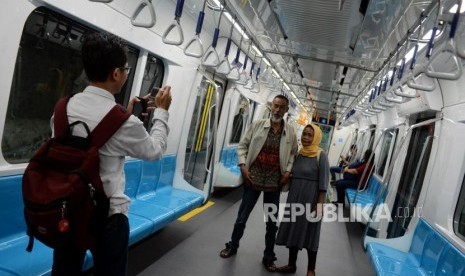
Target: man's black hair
101,54
283,98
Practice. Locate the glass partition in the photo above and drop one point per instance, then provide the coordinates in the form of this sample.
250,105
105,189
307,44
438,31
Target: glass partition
387,148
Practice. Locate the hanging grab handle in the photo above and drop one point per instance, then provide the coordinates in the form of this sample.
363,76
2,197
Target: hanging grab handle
224,67
175,25
401,93
196,39
212,52
212,49
390,97
448,47
416,72
153,18
383,102
234,75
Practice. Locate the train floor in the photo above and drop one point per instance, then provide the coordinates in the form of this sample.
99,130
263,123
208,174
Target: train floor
192,247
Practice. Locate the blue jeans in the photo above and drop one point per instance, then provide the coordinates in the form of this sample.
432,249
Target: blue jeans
110,254
249,198
341,186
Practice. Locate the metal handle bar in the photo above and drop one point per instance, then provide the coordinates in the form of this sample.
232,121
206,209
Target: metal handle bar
153,18
175,25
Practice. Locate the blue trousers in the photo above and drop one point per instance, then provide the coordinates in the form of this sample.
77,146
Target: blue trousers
341,186
110,255
333,170
249,198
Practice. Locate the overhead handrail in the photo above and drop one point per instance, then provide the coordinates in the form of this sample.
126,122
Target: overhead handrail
196,38
153,17
448,47
225,61
101,1
175,25
235,74
212,49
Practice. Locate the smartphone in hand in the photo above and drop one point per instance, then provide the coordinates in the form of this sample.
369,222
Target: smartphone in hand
140,108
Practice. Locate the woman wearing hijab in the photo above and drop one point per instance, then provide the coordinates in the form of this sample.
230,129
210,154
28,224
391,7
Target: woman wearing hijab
310,176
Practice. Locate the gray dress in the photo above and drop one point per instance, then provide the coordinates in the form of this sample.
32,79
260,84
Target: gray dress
308,178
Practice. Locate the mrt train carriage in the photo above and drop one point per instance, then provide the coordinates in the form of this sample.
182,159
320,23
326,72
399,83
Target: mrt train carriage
384,75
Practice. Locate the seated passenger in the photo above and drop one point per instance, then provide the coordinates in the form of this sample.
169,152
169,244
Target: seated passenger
345,162
352,176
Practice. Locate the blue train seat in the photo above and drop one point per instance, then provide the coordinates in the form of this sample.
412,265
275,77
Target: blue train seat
229,159
368,196
154,204
429,254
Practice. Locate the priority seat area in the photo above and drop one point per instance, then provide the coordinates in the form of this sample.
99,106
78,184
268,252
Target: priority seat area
430,253
229,159
368,196
155,203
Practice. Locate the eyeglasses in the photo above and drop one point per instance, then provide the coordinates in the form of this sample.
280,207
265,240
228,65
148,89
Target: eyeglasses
128,69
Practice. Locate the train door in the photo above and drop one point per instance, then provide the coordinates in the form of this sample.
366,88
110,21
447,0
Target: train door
233,123
411,180
201,136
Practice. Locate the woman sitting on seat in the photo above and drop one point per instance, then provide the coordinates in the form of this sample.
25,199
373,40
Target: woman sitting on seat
353,176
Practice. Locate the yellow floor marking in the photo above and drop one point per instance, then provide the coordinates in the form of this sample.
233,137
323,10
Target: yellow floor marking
196,211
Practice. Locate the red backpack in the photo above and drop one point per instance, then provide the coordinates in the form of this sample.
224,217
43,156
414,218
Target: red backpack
64,200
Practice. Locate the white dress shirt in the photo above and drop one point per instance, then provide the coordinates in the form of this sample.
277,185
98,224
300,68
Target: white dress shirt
131,139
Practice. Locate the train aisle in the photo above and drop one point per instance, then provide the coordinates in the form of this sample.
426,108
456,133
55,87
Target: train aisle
192,247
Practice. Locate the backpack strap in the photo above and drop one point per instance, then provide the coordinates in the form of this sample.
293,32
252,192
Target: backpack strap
60,117
109,125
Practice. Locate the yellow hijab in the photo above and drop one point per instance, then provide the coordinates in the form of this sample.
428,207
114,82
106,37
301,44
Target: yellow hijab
313,149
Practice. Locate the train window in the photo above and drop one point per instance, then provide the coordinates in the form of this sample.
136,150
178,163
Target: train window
411,181
459,216
240,120
48,67
153,78
387,148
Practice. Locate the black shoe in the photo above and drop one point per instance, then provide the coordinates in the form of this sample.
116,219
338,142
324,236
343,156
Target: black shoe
228,251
